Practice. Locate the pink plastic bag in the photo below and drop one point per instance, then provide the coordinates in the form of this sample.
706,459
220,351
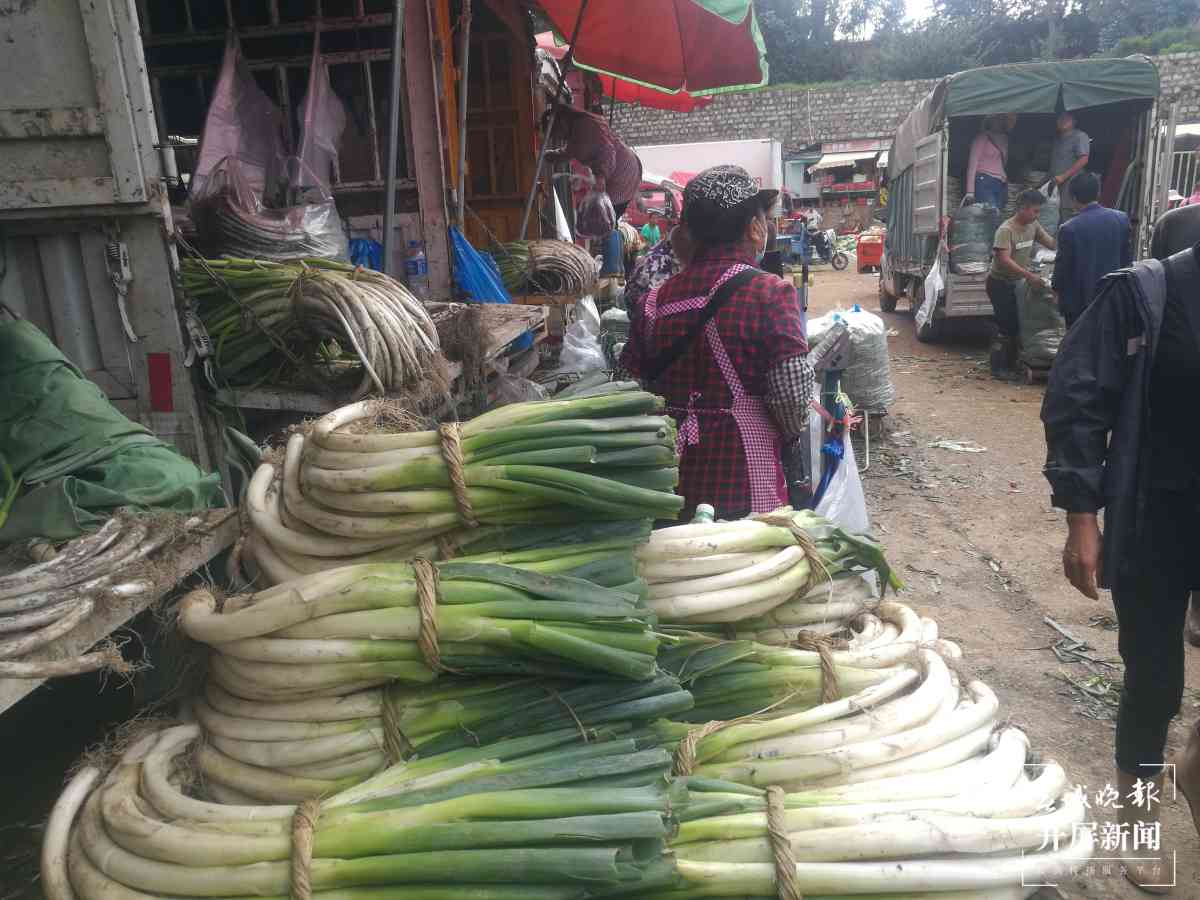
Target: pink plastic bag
322,126
243,123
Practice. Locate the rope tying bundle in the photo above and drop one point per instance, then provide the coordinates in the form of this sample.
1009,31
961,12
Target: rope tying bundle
396,744
823,647
452,453
304,827
685,753
817,570
426,576
448,548
786,886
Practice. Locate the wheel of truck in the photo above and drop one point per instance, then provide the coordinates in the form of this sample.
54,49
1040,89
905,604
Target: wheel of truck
887,302
840,261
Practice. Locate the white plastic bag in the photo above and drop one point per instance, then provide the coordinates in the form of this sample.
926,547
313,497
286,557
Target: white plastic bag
843,502
933,287
581,351
1051,211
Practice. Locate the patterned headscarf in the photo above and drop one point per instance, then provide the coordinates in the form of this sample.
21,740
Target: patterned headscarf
712,196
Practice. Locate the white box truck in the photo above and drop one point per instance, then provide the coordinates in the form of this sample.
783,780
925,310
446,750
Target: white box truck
763,159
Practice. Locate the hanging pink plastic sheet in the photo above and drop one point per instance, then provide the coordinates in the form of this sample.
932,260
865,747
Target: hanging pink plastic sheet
321,128
243,123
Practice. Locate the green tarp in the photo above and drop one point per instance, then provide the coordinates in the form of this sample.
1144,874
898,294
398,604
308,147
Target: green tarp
1023,88
1035,87
77,456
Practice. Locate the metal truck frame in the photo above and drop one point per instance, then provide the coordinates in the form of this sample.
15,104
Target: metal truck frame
918,207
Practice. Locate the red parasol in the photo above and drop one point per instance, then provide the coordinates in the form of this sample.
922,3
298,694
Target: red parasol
698,46
624,91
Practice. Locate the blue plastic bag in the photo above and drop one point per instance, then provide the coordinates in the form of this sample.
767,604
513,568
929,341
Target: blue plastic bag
367,253
478,277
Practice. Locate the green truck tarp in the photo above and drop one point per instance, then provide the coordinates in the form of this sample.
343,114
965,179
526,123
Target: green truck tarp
1024,88
78,458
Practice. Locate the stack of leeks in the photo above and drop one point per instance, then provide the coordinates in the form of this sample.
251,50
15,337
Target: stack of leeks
904,766
252,308
980,829
290,751
351,496
757,573
361,626
547,820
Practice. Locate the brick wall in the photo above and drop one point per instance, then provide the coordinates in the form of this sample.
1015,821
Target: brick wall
843,111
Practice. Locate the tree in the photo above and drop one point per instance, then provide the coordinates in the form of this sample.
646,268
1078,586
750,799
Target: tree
816,40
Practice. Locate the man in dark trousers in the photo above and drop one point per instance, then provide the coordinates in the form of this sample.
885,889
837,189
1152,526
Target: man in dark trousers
1119,439
1093,243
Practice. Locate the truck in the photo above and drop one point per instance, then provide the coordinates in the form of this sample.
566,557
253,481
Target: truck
1115,101
763,159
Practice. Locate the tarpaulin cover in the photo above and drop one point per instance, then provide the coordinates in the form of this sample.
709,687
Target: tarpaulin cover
700,46
1025,88
78,457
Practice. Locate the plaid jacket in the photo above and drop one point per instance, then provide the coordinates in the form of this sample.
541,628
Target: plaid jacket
761,328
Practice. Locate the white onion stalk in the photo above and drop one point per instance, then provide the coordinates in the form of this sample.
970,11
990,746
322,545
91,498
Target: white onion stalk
837,761
892,878
1025,800
56,880
700,566
887,718
900,835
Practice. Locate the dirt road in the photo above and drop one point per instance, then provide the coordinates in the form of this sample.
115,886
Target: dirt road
976,541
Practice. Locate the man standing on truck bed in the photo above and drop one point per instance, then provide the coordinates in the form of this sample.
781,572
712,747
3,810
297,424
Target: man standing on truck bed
1011,259
1068,157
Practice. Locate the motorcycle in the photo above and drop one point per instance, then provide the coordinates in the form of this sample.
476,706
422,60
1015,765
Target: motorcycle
824,244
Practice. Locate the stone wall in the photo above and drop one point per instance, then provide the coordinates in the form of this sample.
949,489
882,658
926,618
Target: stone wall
800,116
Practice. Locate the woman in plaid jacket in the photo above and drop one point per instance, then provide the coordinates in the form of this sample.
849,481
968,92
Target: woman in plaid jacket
731,361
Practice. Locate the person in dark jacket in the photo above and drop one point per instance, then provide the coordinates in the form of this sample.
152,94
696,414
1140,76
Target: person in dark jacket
1116,440
1092,244
1174,231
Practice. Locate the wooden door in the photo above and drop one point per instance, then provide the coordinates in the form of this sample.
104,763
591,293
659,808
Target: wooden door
500,148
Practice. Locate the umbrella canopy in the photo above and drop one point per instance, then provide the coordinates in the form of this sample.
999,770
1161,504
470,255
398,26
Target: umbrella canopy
698,46
624,91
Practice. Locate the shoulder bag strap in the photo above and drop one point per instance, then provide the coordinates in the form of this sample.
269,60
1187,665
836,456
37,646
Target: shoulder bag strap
667,358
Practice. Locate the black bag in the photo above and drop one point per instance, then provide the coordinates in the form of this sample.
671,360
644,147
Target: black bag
668,357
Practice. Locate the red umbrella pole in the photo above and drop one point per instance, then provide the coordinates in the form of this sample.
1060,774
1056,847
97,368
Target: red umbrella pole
541,160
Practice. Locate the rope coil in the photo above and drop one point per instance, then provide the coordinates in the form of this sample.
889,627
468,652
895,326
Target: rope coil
452,453
786,886
304,827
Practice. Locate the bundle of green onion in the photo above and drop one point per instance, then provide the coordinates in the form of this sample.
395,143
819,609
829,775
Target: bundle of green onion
887,720
347,494
360,626
550,820
292,750
264,317
982,828
760,569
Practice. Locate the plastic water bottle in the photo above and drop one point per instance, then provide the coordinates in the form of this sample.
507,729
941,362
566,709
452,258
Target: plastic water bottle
416,270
